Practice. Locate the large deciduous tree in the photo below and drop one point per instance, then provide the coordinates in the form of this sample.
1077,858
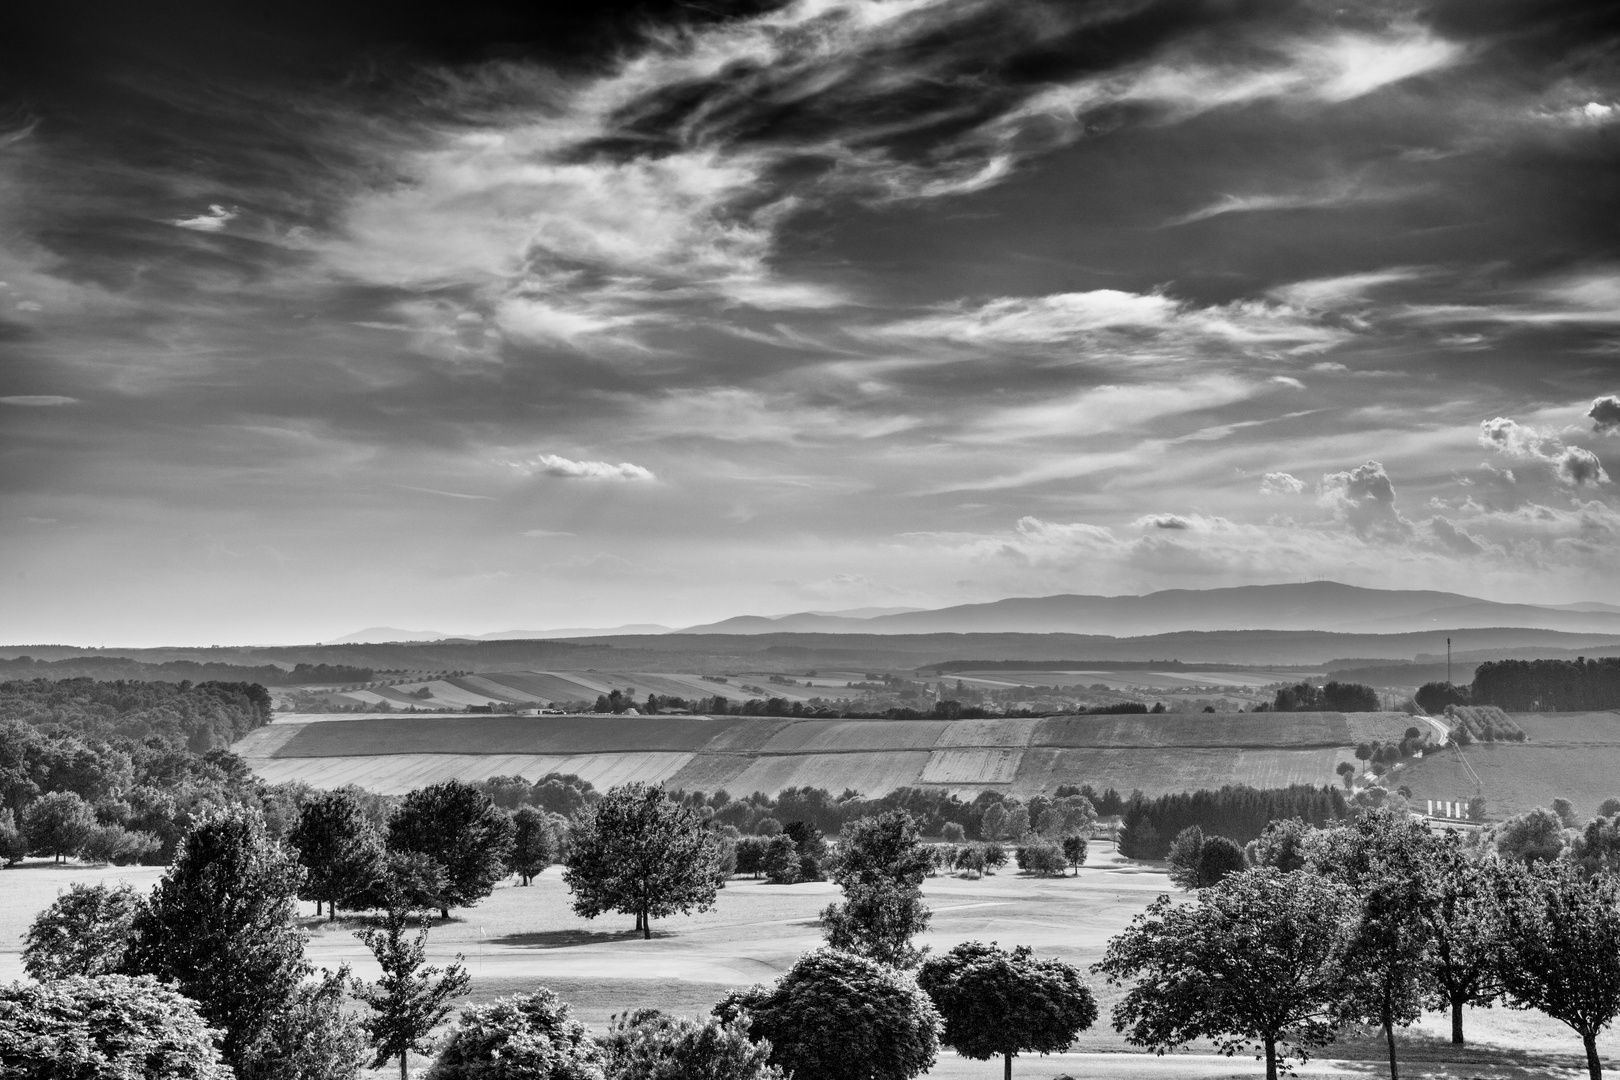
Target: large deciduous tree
1560,948
85,932
1382,857
219,926
338,847
1464,927
458,827
58,824
111,1027
409,1000
1253,965
835,1015
1000,1003
637,852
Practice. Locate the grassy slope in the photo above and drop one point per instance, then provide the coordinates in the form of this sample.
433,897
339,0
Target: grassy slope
1157,754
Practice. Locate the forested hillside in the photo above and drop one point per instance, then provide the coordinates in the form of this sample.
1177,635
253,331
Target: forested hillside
129,763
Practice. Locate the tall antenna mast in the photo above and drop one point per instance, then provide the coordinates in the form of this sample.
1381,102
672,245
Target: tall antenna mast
1448,661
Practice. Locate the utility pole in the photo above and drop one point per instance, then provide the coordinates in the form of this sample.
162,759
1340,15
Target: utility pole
1448,661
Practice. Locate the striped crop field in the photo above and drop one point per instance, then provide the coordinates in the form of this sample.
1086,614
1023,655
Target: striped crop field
1156,753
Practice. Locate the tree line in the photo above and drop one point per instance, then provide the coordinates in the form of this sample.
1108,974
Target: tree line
1579,685
1238,813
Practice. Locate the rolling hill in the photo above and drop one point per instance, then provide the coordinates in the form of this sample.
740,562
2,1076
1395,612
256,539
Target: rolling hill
1155,753
1316,605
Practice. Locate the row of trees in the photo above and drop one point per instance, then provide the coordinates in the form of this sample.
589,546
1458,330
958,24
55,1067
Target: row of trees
1331,696
1238,813
1370,921
1579,685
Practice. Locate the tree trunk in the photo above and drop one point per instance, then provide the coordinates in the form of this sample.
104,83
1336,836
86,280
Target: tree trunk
404,1070
331,911
444,913
1389,1039
1006,1070
1594,1065
1456,1023
317,907
1271,1058
646,927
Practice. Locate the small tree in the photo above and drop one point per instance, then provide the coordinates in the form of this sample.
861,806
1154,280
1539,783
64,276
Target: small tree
409,1000
1252,965
952,832
463,831
1283,845
637,852
1560,948
1533,836
313,1037
533,848
1042,859
883,847
835,1015
781,860
219,926
1074,850
1347,772
1216,859
999,1003
58,824
339,850
13,842
1183,856
1364,754
84,932
877,920
110,1027
522,1037
651,1045
751,855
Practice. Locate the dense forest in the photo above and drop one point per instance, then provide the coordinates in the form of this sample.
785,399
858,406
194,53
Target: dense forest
133,763
1577,685
122,667
1238,813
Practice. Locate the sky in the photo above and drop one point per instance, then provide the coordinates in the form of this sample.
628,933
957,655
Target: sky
317,317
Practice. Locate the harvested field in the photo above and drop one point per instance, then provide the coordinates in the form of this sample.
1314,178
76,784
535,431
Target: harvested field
843,736
395,774
972,766
711,772
1157,753
445,692
498,691
872,774
542,685
1173,769
1260,730
505,735
987,733
1571,729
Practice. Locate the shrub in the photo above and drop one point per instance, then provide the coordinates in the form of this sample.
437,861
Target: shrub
522,1037
651,1045
110,1027
953,832
117,845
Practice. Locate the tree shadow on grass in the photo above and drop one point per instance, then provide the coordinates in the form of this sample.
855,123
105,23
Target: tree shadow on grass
1419,1049
568,939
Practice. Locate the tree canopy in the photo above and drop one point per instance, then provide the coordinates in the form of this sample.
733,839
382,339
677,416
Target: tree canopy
219,926
110,1027
837,1016
462,830
1000,1003
637,852
1252,965
85,932
522,1037
337,846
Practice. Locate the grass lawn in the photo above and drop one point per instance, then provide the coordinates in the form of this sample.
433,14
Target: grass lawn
524,937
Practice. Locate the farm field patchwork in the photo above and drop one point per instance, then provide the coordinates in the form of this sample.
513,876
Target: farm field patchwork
1155,753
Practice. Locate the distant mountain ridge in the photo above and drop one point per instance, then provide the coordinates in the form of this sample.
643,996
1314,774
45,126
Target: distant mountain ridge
381,635
1317,605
